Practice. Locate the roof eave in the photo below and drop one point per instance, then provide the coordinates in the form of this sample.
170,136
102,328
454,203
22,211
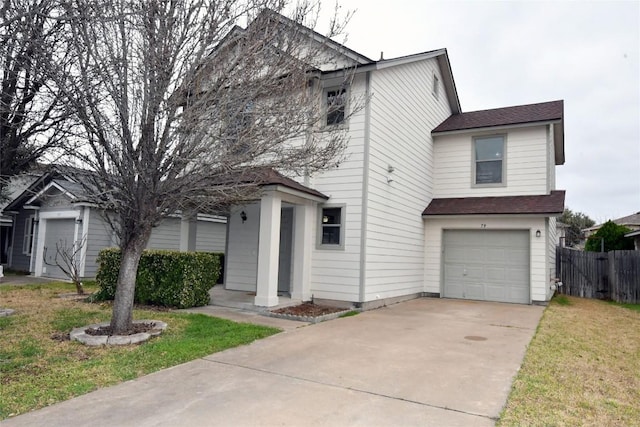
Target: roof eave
485,215
554,122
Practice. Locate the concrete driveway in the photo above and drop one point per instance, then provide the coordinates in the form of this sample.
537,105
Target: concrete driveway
422,362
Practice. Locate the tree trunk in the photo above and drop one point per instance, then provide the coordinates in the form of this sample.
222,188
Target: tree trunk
122,316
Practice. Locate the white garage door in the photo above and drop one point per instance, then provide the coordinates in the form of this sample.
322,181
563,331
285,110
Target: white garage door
59,237
487,265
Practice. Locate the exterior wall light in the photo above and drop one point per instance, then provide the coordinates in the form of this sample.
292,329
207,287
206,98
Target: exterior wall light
538,234
243,215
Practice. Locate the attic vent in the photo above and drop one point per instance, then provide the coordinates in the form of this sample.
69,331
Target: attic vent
381,56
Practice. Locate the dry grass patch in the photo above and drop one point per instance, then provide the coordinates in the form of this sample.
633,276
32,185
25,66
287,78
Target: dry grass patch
581,368
39,366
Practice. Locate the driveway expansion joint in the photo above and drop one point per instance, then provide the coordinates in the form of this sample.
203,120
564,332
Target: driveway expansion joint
265,371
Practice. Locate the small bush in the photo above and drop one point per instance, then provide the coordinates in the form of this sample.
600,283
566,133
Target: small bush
167,278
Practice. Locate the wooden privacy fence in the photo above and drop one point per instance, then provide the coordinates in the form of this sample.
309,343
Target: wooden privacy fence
613,275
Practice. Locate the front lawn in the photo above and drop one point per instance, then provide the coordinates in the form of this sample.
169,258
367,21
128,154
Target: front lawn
39,366
581,368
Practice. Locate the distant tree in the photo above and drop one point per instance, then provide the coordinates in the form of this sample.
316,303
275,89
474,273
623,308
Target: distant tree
613,235
577,221
31,108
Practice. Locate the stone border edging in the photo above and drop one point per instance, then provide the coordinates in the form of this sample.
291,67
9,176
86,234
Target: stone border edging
4,312
79,334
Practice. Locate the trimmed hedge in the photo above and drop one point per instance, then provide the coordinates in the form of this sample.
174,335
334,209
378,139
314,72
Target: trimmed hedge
166,278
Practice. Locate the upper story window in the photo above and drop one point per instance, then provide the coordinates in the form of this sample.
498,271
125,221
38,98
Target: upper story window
331,230
336,100
239,122
489,159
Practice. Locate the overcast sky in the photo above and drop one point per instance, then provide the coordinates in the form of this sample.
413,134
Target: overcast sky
515,52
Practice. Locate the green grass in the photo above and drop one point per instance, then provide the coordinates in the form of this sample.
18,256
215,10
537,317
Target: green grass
581,368
37,368
635,307
350,313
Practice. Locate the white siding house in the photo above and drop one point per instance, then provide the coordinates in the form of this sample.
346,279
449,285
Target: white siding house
387,223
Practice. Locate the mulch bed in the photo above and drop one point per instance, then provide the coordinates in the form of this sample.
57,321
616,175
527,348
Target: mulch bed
308,309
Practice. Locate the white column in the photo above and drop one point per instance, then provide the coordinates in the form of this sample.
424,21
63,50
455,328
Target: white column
302,246
268,251
188,233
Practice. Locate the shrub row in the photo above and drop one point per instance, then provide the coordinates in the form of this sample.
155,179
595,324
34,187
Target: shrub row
166,278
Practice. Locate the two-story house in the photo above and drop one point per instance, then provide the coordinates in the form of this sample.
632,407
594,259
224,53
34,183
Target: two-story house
430,201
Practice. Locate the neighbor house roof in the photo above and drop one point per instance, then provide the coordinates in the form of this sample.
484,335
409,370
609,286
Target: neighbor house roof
508,205
632,220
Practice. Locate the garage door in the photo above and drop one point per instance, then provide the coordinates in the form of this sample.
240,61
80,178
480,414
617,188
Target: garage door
59,234
487,265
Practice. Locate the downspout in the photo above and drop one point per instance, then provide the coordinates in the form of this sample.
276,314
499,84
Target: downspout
365,187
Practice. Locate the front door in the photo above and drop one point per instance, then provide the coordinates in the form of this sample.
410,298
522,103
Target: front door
284,261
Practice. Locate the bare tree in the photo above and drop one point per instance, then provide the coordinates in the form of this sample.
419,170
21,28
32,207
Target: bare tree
67,259
31,36
184,111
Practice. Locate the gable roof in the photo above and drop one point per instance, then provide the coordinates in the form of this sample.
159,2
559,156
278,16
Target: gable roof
550,204
266,176
351,54
632,220
440,55
545,112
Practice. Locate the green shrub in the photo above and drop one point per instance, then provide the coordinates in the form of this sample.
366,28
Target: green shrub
613,236
167,278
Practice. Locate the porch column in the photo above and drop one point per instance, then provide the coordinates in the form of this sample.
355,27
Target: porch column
268,251
188,232
302,246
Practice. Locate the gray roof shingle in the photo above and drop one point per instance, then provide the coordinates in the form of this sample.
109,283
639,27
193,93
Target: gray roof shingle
531,113
507,205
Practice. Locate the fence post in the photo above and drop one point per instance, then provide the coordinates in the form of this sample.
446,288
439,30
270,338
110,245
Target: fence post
613,279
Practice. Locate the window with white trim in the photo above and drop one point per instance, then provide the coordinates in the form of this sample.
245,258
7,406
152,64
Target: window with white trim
336,104
489,159
331,227
27,241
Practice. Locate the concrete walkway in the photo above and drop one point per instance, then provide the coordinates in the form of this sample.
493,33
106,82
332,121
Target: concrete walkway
427,362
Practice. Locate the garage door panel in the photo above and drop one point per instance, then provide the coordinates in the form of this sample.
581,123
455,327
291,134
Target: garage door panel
474,273
490,265
518,256
496,274
495,293
517,275
475,253
455,255
474,291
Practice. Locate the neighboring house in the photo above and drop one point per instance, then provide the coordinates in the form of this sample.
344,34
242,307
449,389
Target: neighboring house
430,201
635,235
51,213
16,185
630,221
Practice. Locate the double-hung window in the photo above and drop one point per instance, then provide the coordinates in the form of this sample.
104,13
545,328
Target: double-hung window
331,228
489,160
336,100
